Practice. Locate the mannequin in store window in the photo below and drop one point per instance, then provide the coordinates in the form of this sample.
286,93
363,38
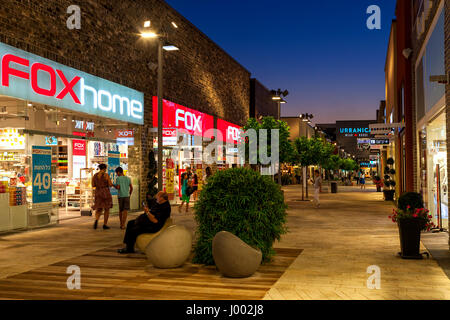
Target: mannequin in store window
102,199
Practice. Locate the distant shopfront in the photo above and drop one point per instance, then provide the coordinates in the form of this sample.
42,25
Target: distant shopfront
186,134
57,125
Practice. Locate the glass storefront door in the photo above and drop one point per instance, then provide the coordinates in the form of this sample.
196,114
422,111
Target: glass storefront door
436,164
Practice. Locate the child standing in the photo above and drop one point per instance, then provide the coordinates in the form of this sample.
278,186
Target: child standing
123,184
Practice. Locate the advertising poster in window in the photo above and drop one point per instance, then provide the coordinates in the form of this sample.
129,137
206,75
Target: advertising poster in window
113,164
79,157
42,174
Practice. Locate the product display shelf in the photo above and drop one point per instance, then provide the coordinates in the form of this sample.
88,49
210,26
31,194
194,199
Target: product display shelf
73,198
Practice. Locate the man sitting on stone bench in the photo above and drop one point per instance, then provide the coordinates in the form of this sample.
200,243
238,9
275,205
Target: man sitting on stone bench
149,222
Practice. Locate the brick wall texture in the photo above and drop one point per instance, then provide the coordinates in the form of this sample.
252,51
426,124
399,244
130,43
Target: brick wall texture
200,75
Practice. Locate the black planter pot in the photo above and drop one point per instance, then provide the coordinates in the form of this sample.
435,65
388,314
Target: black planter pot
389,195
409,231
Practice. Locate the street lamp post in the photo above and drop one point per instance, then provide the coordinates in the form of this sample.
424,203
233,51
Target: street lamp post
161,38
160,113
277,96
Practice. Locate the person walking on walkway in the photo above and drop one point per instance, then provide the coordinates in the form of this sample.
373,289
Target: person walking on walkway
102,199
151,221
125,187
363,180
317,187
195,186
185,196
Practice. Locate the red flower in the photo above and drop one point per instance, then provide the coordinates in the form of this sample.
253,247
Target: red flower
415,215
430,216
408,207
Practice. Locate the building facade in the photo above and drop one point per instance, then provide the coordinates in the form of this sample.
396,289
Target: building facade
299,128
261,103
428,61
107,65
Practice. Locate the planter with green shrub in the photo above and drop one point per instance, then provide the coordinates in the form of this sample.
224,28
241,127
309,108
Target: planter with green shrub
389,182
244,203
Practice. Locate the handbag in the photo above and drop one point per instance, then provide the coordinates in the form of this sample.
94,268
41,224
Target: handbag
189,191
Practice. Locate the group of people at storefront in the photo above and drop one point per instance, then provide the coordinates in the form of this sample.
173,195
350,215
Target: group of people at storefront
189,186
156,212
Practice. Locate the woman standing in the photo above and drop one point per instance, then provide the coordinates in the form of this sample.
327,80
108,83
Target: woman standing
184,192
103,199
195,186
363,180
207,175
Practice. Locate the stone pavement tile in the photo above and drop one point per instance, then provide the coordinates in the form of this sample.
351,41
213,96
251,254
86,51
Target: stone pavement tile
350,232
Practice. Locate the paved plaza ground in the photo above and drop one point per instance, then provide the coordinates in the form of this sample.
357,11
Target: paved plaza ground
333,245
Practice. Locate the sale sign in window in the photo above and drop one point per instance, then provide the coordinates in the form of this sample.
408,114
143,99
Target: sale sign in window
42,174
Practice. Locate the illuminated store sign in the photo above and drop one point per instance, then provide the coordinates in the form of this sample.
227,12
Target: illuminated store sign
379,141
354,130
230,132
33,78
186,120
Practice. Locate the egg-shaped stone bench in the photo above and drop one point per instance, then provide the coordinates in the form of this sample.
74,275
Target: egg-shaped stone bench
144,239
171,248
233,257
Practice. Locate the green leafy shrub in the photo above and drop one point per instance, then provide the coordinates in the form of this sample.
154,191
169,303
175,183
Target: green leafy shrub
243,202
412,199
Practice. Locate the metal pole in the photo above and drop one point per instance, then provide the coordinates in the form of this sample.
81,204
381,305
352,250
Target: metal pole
279,162
160,115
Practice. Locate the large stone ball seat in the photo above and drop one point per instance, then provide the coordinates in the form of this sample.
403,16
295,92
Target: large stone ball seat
144,239
171,248
233,257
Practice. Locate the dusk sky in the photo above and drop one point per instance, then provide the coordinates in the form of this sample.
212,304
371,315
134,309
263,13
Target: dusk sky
321,51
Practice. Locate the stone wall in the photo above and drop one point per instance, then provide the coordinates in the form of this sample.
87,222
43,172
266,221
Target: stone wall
200,76
261,103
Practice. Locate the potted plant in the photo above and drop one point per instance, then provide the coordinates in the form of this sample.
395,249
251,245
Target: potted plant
411,219
378,183
389,182
243,202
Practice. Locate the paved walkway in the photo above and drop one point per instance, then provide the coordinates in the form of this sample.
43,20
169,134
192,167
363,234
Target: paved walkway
347,234
350,232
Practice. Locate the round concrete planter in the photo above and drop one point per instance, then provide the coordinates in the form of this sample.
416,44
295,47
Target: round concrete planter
171,248
144,239
233,257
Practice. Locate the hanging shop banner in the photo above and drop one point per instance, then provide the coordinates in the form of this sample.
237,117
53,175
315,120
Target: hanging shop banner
184,119
30,77
113,164
169,137
125,137
170,175
42,174
230,132
79,157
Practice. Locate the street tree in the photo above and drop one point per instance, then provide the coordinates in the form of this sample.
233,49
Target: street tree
286,149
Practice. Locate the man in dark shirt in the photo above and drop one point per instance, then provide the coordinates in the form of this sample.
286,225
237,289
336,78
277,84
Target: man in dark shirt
149,222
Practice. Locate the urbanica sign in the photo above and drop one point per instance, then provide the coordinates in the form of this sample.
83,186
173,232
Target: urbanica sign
354,130
33,78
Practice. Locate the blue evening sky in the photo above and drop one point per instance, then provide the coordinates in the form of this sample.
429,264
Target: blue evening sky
321,51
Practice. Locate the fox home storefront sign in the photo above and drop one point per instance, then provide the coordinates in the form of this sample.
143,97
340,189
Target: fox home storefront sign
27,76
